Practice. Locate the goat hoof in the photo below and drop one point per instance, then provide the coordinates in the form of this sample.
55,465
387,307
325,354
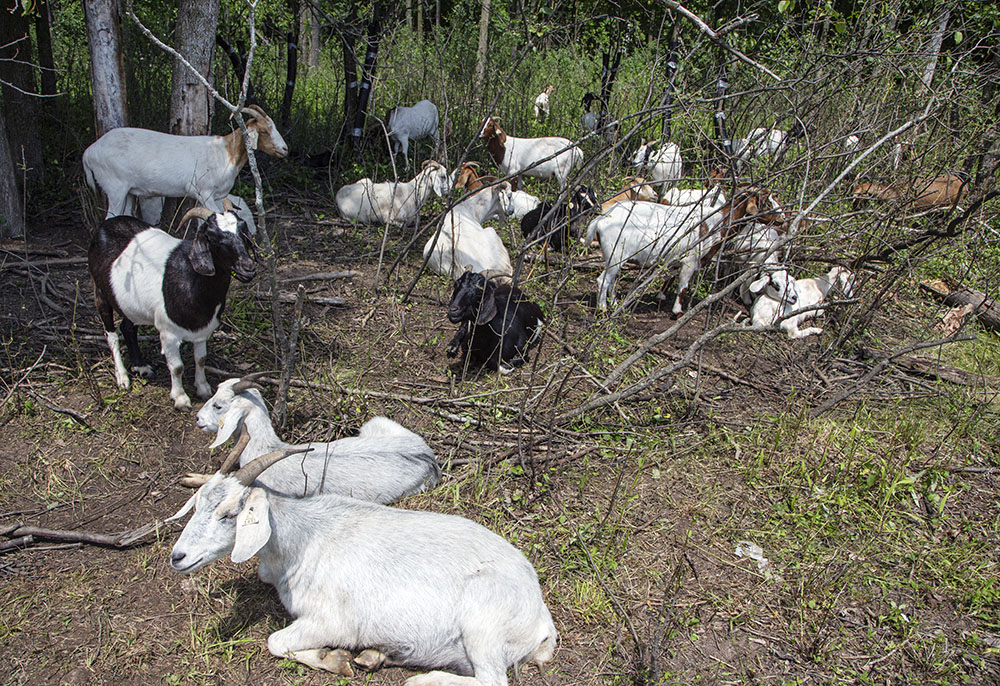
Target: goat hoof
370,660
143,370
338,662
205,393
193,480
183,403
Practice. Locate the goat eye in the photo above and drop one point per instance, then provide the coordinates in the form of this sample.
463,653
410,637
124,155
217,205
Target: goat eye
217,406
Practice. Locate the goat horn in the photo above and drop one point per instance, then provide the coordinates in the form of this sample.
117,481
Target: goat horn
227,205
233,459
248,473
248,381
199,212
254,111
472,165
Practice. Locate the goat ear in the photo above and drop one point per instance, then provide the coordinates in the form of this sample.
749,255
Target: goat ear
229,423
759,285
187,507
253,136
200,254
488,306
253,526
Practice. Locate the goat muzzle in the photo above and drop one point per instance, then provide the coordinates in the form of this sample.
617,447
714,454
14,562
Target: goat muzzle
245,270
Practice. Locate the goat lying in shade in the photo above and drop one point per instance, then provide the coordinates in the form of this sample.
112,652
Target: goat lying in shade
383,463
498,325
463,240
151,278
426,590
942,191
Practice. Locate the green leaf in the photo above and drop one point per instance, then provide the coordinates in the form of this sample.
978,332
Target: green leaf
958,37
783,6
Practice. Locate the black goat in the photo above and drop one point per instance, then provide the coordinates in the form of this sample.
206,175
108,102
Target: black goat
497,324
151,278
582,201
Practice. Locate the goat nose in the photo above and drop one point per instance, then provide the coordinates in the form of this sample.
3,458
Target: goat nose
177,557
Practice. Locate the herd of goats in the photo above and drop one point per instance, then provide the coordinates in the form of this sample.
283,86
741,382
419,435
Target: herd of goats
406,588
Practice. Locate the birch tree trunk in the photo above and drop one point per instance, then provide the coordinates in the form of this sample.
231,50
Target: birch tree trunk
194,38
935,50
484,34
314,39
11,211
107,73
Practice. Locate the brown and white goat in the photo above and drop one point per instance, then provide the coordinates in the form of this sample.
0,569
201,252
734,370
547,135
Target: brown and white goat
132,164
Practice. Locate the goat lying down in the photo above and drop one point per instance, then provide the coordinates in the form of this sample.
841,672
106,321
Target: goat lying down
464,241
390,202
384,463
498,325
425,590
770,308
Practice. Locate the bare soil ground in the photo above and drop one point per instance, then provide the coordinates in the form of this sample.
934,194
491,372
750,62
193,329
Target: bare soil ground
879,520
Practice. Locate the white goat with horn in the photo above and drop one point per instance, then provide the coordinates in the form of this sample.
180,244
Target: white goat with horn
424,590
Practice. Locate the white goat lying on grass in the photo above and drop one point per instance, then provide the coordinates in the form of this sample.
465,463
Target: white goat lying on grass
768,310
384,463
425,590
465,243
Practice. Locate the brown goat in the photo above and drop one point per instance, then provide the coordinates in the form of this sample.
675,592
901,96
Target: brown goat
469,179
635,189
921,194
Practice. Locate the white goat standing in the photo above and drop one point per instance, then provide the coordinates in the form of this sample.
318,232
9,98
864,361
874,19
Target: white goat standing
384,463
391,202
427,590
542,102
767,310
515,156
407,124
665,165
650,233
464,241
138,164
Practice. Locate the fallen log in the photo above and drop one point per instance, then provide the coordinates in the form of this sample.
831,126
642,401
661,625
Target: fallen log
985,310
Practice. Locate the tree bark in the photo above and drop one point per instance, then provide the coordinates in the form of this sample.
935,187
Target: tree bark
20,107
484,34
107,72
194,38
984,309
367,78
315,41
45,60
11,210
291,67
935,50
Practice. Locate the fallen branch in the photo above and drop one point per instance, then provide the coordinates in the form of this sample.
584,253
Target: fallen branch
27,534
877,369
322,276
985,310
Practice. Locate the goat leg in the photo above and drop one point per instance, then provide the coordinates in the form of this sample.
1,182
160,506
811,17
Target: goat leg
459,341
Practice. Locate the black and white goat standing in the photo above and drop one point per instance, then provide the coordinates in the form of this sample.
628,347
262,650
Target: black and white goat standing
560,217
152,278
498,325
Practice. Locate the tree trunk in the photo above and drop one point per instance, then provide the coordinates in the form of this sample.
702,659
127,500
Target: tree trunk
11,210
484,34
935,50
194,39
668,98
367,77
238,62
347,40
107,73
45,59
20,108
985,310
314,39
291,66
